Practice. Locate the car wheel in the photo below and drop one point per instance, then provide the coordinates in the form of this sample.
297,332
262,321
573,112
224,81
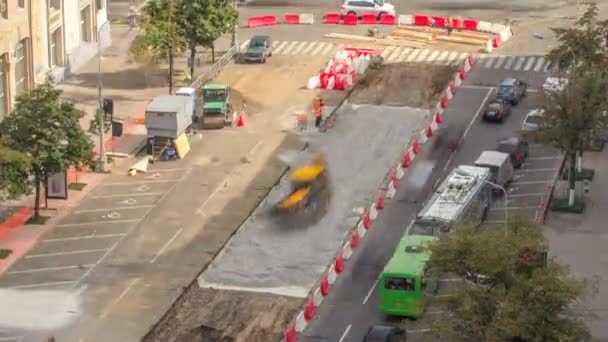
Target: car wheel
381,14
515,102
264,60
351,13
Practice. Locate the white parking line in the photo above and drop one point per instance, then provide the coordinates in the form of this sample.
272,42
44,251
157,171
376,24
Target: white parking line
545,158
418,331
529,182
59,268
345,333
511,208
524,195
119,298
370,291
145,182
172,170
92,236
54,283
96,222
450,280
166,245
44,255
128,195
84,211
535,170
12,338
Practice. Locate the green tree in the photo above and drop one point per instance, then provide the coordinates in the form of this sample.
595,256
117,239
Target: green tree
512,292
14,168
96,122
47,130
161,35
575,116
203,22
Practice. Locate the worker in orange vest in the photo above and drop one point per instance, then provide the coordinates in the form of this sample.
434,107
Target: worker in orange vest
302,120
318,107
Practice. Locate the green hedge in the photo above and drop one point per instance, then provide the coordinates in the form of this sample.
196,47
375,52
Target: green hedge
561,205
583,175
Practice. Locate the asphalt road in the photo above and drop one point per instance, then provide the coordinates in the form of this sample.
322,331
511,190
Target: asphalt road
353,305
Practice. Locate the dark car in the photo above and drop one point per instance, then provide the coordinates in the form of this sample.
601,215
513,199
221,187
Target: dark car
385,333
258,49
497,110
512,90
517,149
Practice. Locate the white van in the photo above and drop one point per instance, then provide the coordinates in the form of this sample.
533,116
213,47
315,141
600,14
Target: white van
499,164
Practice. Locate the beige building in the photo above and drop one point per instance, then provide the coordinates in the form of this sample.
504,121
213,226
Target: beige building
41,37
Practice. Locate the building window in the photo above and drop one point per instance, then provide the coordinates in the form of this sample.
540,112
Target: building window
21,3
55,4
20,69
3,87
100,4
4,9
85,24
56,51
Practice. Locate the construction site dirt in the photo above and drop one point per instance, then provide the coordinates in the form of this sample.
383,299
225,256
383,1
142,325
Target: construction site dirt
363,136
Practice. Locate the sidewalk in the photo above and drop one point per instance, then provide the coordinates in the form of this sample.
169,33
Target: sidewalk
131,86
580,241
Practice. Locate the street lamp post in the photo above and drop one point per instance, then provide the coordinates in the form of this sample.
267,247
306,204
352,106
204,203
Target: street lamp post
103,162
234,42
504,191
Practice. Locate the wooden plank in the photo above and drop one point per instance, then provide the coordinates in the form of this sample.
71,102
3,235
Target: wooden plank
461,40
443,32
380,41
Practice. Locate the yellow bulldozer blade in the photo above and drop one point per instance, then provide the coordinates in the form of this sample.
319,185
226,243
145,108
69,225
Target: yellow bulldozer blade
295,198
307,173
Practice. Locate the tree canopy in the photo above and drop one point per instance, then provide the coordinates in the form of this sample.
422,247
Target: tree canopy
511,292
14,167
47,130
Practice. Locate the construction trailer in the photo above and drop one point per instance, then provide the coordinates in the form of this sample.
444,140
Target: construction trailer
462,197
167,119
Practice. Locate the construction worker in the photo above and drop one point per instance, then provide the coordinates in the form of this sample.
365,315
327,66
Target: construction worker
318,107
449,27
302,121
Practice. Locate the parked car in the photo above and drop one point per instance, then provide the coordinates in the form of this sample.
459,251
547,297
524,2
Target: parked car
517,148
500,165
258,49
512,90
497,110
555,84
533,120
385,333
360,7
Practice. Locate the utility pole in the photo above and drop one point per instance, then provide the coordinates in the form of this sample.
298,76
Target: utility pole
234,42
103,161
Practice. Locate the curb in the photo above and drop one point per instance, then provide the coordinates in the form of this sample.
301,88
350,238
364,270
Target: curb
349,245
543,208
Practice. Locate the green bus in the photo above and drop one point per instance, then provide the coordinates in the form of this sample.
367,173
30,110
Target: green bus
406,282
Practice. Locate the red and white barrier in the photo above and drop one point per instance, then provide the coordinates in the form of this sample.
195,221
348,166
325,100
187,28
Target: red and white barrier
365,223
298,19
259,21
341,72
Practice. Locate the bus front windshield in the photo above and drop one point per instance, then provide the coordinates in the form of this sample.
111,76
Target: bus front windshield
214,94
400,284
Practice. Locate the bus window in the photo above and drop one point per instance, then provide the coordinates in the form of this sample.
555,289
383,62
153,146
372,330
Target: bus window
400,284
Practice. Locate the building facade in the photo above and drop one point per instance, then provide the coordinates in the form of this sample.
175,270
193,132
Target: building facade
45,37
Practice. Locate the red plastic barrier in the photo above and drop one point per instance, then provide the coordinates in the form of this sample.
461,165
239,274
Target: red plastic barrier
429,130
255,22
380,201
444,101
438,118
292,18
421,20
355,239
469,24
456,23
339,264
309,310
462,73
367,220
387,19
369,19
496,41
453,88
270,20
350,19
406,160
291,335
440,21
324,286
471,60
415,146
332,18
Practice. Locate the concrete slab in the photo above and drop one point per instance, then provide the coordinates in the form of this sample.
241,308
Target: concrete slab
266,257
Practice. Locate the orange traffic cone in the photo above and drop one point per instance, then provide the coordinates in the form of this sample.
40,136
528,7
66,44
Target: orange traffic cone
240,121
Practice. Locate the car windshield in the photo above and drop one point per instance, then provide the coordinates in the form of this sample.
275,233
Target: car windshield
379,3
505,90
257,42
534,119
214,94
494,107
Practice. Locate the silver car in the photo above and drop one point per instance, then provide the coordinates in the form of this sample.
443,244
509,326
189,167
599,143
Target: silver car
360,7
533,120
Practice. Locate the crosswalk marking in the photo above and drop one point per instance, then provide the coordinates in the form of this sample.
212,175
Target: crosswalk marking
422,55
394,55
452,57
387,51
547,67
290,47
499,62
488,63
413,55
520,61
509,63
432,57
327,48
443,56
318,48
463,56
406,51
309,47
539,64
298,48
244,45
280,47
530,63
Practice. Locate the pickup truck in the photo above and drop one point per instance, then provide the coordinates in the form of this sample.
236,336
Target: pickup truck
258,49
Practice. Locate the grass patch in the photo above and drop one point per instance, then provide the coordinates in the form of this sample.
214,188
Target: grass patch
4,253
39,220
561,205
76,186
121,21
585,174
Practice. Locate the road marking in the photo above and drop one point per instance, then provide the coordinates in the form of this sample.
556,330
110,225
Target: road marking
525,195
450,280
511,208
413,55
145,182
498,64
119,298
520,61
128,201
535,170
435,312
319,47
489,63
113,215
510,61
404,53
452,57
164,247
418,331
299,48
128,195
289,48
83,211
280,47
12,338
44,255
55,283
494,221
155,175
530,63
449,161
393,56
59,268
545,158
243,46
530,182
387,52
422,55
345,333
92,236
433,56
142,188
547,67
370,291
443,56
463,56
328,48
539,64
309,47
95,222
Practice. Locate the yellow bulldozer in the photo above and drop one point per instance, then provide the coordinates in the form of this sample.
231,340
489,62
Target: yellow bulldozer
310,189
